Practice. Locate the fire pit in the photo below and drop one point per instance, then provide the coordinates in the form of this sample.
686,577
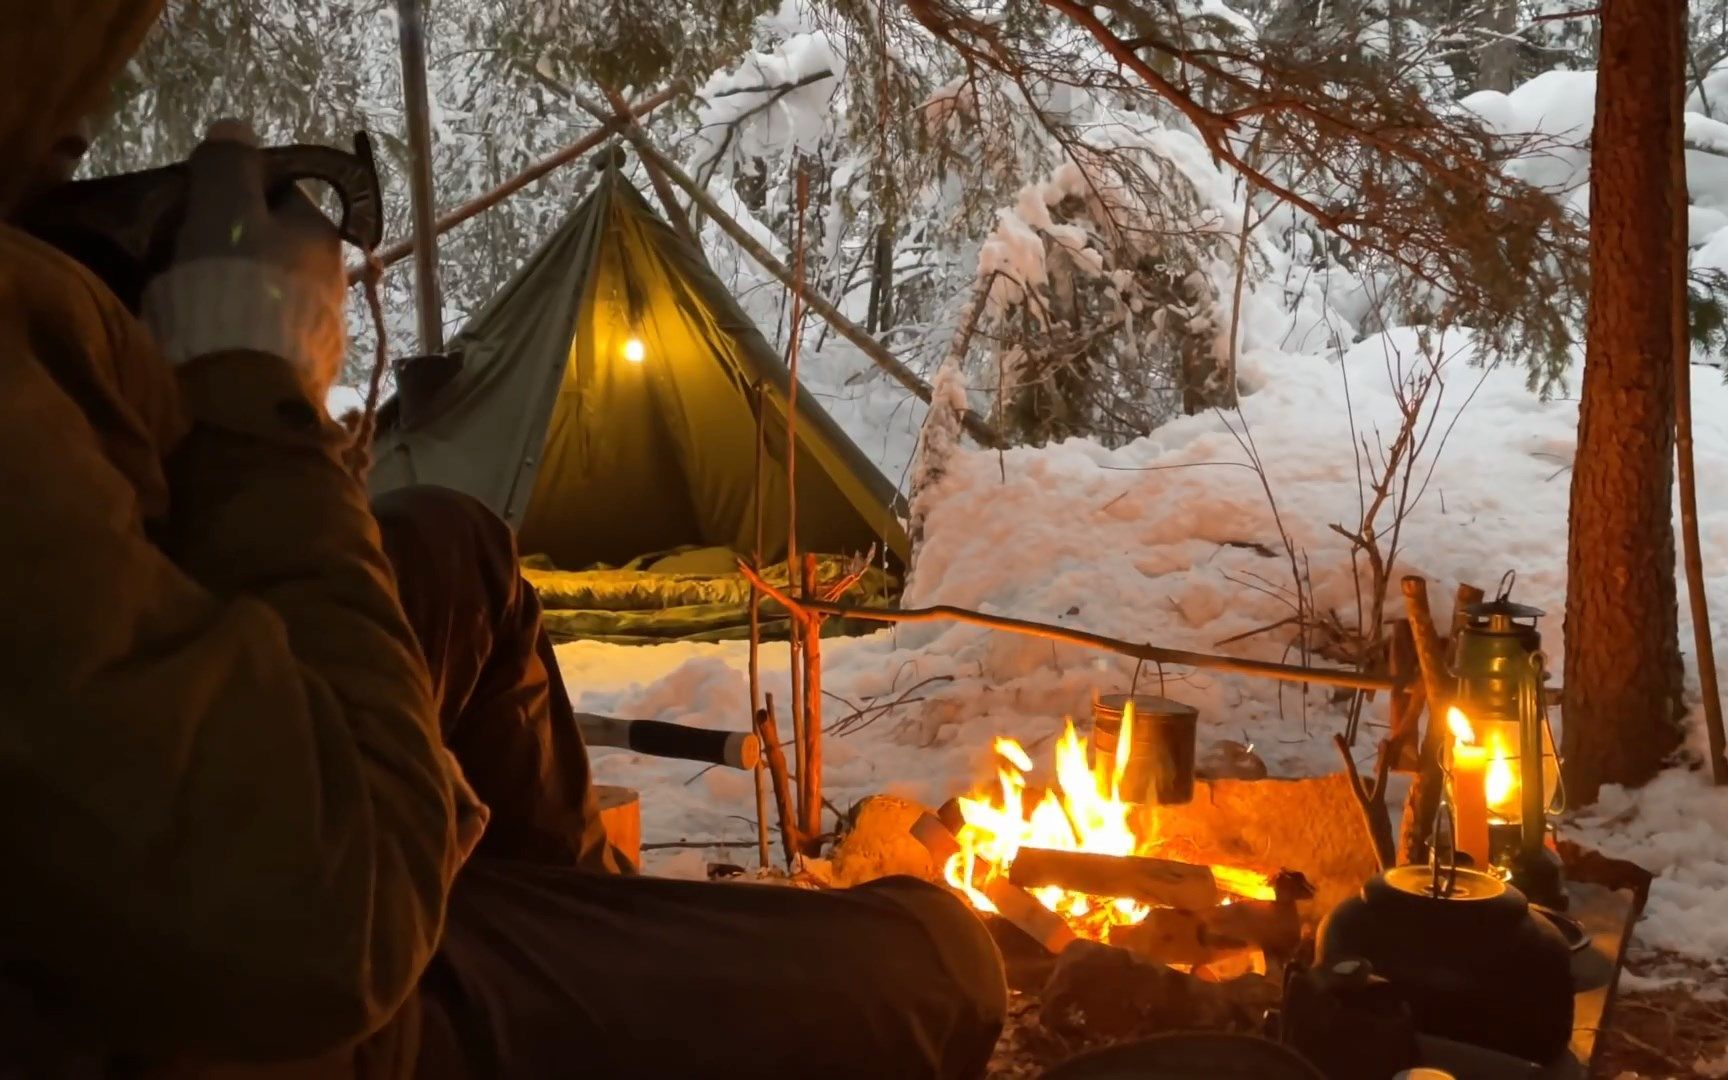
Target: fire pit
1079,860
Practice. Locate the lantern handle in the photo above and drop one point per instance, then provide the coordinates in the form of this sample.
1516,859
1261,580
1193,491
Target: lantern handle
1556,800
1442,886
1506,582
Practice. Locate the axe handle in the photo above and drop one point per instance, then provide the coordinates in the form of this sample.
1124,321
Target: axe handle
657,738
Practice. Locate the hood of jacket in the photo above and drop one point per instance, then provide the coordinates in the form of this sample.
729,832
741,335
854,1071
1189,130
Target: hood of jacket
57,61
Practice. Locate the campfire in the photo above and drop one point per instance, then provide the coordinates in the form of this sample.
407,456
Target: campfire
1088,853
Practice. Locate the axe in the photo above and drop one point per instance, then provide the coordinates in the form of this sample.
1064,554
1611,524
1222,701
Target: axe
657,738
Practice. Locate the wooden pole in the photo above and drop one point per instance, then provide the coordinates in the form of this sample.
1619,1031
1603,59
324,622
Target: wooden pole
1407,698
1156,654
417,111
1437,682
776,755
812,766
807,811
975,425
756,630
623,115
1686,475
395,252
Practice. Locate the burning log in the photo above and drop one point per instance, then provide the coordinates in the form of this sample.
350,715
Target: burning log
1131,877
1172,936
1099,992
1011,902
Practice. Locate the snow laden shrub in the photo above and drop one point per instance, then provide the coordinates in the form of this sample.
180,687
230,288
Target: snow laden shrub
1103,319
1413,196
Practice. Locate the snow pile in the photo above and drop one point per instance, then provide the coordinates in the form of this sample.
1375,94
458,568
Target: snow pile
1677,827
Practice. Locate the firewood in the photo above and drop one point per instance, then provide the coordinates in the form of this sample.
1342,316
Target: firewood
1134,877
1023,910
1012,902
1100,992
1172,936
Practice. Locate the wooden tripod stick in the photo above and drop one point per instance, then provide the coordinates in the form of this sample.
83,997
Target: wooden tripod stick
1438,684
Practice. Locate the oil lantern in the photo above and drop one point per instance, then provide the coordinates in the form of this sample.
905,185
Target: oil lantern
1502,694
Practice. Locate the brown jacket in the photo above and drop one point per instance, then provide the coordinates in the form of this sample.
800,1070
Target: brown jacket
226,823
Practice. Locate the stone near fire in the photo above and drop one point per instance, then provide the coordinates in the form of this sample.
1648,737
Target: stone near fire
1228,759
1310,825
880,843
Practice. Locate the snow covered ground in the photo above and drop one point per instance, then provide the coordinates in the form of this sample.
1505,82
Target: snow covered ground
1155,542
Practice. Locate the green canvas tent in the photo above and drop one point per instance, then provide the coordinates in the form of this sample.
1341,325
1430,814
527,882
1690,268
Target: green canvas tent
604,406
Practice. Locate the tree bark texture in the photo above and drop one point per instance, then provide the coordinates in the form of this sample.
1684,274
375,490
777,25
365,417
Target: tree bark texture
1623,673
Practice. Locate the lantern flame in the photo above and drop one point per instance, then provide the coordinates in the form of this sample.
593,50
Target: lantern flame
1084,811
1460,725
1500,781
635,351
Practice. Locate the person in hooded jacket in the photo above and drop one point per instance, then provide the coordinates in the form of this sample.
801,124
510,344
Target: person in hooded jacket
237,840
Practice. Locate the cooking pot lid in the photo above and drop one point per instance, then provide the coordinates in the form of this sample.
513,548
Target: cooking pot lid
1469,885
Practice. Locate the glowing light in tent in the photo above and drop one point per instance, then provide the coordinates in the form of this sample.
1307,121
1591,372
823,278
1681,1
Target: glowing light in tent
635,351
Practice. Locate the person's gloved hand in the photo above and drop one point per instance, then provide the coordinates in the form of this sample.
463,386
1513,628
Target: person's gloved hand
246,275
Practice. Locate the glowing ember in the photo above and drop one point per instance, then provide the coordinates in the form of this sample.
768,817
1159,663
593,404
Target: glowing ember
1084,811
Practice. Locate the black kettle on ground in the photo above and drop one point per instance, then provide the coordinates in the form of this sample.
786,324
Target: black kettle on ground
1466,952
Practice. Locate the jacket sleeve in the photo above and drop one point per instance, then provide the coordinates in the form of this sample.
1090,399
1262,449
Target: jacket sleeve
225,814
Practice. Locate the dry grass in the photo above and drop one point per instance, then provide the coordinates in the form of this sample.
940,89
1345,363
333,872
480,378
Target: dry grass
1673,1032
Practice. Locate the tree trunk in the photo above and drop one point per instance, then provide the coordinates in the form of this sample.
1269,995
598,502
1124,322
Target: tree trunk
1500,56
1623,673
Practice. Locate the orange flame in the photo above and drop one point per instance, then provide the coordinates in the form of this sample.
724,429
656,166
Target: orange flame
1084,811
1500,783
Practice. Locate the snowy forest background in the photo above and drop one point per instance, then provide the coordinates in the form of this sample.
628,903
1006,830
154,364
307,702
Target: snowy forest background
1115,243
1273,300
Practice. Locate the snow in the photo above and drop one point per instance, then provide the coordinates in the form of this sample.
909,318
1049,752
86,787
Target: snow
1145,543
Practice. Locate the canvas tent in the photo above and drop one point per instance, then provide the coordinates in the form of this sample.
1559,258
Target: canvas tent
604,405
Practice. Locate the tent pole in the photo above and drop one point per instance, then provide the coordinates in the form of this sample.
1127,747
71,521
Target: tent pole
395,252
411,24
624,120
976,426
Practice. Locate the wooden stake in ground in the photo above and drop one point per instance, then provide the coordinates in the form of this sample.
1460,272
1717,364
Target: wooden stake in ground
761,777
1686,473
1408,696
1438,684
776,756
800,697
811,769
